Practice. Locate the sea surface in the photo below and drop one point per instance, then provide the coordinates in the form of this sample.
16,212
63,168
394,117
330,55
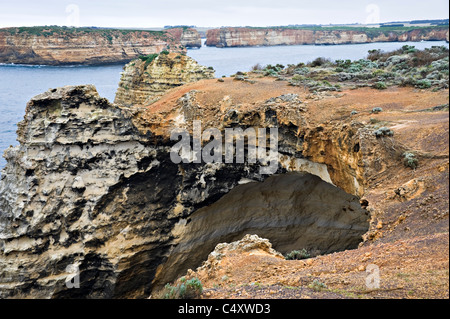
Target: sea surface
19,83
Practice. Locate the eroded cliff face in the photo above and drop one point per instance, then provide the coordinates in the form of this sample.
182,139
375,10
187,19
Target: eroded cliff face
82,46
189,37
235,37
92,185
145,81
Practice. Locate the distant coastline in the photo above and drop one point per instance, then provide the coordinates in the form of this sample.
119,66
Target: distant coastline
251,36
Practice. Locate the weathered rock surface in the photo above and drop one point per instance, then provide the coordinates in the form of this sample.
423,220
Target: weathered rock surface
92,185
249,244
42,45
143,82
189,37
236,37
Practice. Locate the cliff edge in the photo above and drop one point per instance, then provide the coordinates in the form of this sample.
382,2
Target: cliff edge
237,37
86,46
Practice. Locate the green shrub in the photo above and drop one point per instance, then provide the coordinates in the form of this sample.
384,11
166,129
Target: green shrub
377,110
270,72
423,84
383,131
165,52
343,63
189,289
316,285
148,58
298,77
297,255
378,72
410,160
380,85
319,62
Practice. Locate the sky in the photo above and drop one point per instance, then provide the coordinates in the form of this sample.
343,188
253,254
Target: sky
214,13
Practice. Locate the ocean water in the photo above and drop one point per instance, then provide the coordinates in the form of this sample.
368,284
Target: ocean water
19,83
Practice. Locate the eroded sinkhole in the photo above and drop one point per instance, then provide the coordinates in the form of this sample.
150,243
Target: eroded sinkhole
293,211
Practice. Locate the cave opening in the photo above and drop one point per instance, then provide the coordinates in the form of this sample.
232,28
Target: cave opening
293,210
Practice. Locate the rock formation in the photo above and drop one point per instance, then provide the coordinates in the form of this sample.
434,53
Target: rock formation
237,37
60,46
92,185
145,80
189,37
93,191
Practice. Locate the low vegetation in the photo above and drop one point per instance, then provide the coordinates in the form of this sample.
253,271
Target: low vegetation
148,58
184,289
109,34
383,131
298,254
410,160
407,66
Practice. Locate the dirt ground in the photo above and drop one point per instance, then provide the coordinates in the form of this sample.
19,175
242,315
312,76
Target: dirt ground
409,238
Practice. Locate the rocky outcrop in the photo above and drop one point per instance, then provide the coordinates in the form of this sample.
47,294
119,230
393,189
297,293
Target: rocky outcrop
61,46
189,37
145,80
237,37
92,186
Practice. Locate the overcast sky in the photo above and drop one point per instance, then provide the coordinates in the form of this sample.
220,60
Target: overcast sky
213,13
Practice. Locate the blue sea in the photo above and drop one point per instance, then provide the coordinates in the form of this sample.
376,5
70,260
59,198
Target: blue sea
19,83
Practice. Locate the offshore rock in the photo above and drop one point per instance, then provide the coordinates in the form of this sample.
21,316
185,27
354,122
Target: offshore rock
145,81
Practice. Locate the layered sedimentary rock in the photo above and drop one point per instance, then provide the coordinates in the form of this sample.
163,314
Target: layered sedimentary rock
236,37
60,46
92,186
145,80
189,37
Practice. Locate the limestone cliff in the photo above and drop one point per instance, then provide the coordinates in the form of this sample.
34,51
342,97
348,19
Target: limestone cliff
189,37
92,185
145,80
236,37
60,46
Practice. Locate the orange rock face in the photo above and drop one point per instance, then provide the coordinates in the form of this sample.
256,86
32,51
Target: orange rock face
232,37
81,46
188,37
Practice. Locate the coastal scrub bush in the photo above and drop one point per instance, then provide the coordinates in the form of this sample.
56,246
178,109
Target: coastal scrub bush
297,255
383,131
410,160
270,72
257,67
298,77
423,84
380,85
148,58
316,285
377,110
319,62
187,289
